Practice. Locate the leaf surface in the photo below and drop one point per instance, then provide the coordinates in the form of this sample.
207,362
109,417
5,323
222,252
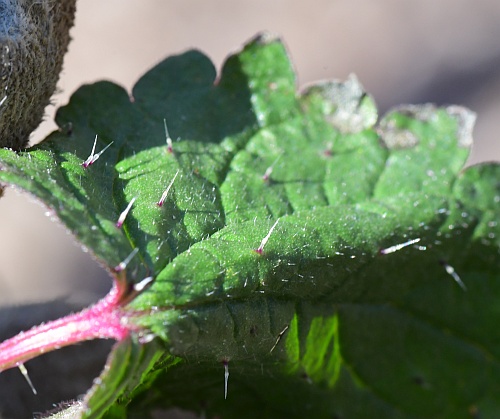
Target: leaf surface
338,267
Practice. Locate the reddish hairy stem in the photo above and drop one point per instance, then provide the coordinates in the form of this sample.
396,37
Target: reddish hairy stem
104,320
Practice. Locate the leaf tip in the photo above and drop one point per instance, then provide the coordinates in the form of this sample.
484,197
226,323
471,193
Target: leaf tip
466,120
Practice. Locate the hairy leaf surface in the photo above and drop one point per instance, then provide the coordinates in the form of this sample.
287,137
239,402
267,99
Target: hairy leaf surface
335,266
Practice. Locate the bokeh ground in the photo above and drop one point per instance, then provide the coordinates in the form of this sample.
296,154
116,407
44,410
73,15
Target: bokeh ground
441,51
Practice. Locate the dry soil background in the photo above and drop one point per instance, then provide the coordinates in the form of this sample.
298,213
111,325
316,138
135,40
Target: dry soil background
441,51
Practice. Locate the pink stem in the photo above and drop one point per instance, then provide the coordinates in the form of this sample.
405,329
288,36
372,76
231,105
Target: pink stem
104,320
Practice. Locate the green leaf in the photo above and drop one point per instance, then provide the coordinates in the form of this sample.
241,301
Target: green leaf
335,266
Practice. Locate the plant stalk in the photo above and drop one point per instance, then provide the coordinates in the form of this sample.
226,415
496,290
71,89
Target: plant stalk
105,320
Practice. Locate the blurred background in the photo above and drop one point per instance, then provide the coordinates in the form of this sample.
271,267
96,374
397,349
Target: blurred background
440,51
